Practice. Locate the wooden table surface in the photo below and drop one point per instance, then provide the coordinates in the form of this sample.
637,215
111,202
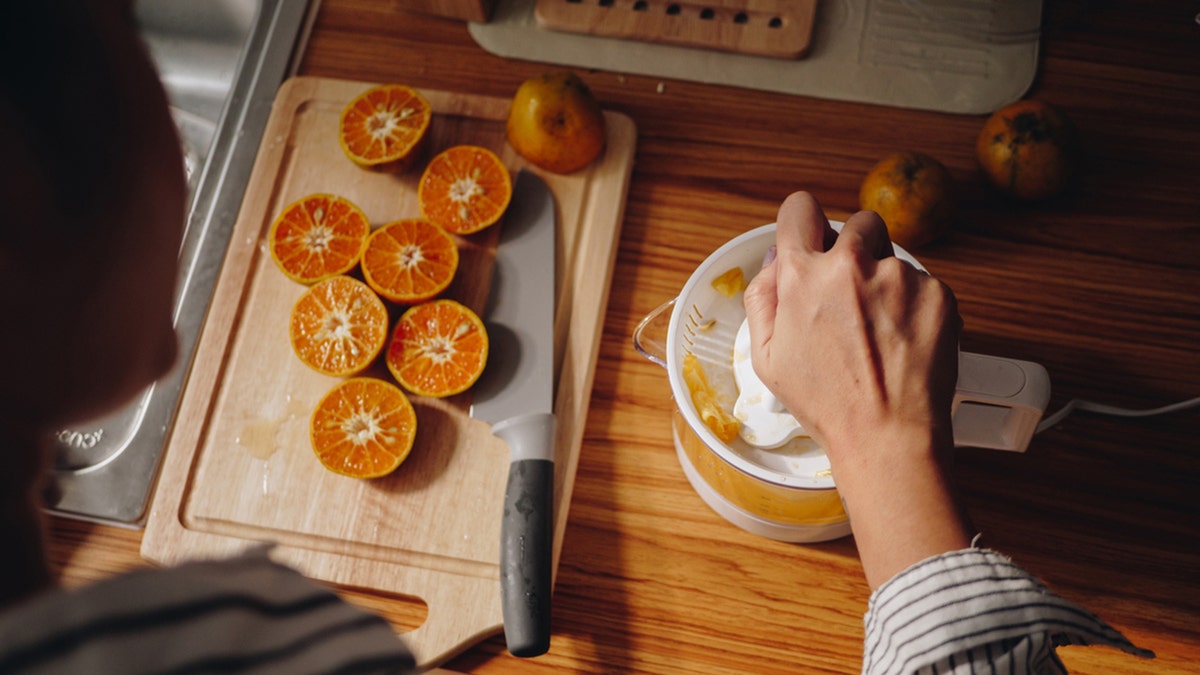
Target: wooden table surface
1102,287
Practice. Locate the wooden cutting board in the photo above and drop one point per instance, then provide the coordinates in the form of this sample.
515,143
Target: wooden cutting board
775,28
239,468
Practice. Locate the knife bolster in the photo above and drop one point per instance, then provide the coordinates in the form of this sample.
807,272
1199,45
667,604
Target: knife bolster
529,436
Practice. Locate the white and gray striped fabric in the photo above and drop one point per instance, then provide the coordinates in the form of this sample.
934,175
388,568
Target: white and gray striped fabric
246,614
975,611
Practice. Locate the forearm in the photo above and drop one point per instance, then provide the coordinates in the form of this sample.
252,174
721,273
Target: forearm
901,502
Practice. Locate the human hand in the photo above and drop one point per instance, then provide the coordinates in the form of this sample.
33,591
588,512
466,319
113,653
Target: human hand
852,340
861,347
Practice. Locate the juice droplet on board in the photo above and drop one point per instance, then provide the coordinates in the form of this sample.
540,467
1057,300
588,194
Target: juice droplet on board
262,437
258,436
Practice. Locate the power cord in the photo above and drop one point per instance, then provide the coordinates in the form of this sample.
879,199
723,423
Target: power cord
1088,406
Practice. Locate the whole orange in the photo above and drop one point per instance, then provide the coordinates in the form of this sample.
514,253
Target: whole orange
1028,150
914,194
556,123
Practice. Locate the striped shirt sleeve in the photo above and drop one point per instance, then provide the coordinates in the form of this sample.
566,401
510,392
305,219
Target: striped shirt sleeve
975,611
245,614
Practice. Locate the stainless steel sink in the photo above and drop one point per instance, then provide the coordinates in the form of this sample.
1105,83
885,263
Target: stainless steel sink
221,62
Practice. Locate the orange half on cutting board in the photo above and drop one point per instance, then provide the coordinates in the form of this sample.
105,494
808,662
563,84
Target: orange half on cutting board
383,128
464,189
338,326
410,261
317,237
363,428
438,349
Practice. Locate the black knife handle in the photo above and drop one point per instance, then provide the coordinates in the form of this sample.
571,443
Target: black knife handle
527,537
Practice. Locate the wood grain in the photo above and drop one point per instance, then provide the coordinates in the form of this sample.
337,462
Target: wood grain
1100,286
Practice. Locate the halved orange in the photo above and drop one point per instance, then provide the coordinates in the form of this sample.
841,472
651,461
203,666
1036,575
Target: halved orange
338,326
363,428
383,127
317,237
438,349
410,261
464,189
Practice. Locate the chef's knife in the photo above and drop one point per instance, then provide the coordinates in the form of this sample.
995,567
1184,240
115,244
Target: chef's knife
516,395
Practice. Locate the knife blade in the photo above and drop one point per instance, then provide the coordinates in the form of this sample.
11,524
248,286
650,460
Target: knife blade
516,395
